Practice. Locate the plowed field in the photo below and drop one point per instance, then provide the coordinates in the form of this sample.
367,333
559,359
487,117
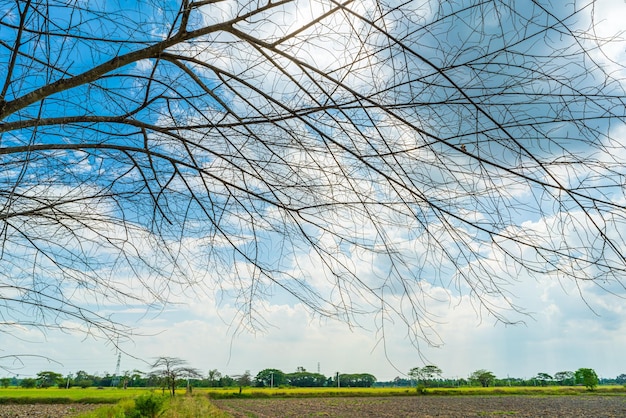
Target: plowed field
430,406
43,410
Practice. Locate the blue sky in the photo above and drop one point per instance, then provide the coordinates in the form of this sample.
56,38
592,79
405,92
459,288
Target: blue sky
569,325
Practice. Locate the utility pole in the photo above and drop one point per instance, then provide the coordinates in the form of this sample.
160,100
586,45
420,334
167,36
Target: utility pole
116,379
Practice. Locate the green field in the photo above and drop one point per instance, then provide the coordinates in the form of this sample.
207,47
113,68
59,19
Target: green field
56,395
113,395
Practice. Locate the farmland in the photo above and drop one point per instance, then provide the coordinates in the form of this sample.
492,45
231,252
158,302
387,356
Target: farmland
607,401
54,402
220,393
430,406
554,401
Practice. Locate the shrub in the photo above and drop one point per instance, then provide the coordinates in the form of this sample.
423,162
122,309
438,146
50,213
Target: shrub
85,383
28,383
148,406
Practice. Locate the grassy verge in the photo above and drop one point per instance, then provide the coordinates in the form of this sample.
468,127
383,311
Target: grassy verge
178,407
193,406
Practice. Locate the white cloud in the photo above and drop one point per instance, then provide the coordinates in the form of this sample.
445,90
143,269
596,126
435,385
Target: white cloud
608,25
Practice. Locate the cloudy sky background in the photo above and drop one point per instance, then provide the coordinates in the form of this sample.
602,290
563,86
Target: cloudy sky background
561,332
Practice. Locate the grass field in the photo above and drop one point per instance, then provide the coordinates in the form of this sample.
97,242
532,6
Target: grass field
113,395
56,395
178,407
221,393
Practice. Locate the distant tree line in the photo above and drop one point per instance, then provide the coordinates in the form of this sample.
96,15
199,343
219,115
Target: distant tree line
173,373
302,378
135,378
430,376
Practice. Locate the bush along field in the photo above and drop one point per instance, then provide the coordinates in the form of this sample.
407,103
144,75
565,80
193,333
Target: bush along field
152,405
113,403
155,404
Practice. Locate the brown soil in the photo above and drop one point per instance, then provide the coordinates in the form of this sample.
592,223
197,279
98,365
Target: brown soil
429,406
44,410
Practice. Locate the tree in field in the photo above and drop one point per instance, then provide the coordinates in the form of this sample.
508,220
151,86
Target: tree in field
544,378
270,378
28,383
227,381
84,379
136,378
565,378
357,380
484,377
5,382
47,379
170,370
213,376
304,379
152,147
245,379
425,375
587,377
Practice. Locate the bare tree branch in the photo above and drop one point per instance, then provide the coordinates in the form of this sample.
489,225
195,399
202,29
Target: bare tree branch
352,155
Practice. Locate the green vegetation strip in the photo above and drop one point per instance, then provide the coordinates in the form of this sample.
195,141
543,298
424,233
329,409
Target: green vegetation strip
223,393
66,396
114,395
152,404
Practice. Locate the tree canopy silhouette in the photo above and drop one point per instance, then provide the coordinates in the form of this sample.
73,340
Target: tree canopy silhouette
354,154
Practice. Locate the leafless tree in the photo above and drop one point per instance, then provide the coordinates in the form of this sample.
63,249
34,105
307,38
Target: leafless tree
351,153
169,370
